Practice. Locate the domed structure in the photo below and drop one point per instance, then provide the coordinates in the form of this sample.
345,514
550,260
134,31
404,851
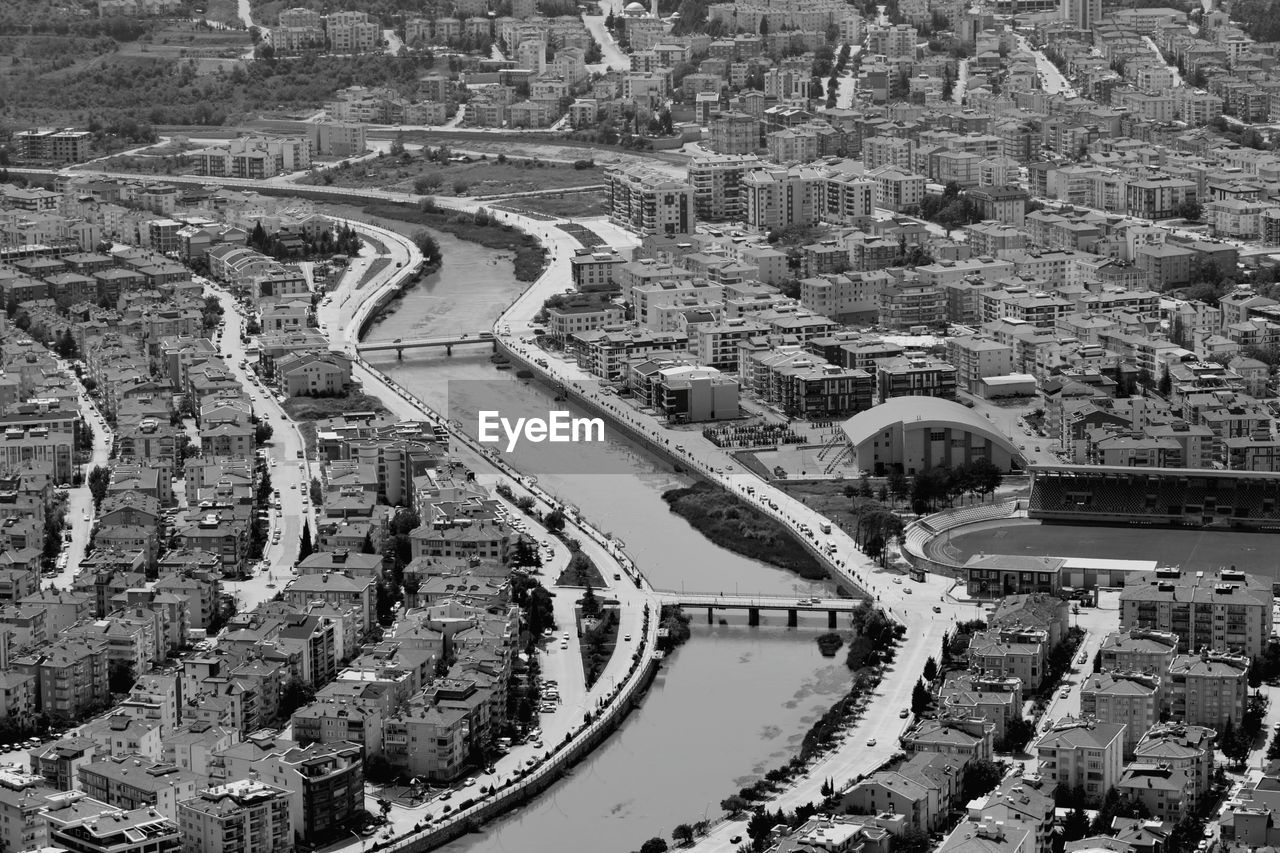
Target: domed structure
914,434
635,10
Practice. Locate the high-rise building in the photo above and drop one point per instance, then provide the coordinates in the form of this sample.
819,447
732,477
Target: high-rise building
1081,13
650,202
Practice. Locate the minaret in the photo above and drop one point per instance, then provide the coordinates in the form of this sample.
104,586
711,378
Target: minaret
654,11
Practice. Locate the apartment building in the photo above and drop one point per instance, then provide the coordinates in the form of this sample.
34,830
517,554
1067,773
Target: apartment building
1208,689
852,297
244,816
1144,650
976,358
253,157
719,193
849,198
1223,610
85,825
779,198
897,189
1082,753
1133,699
914,375
352,32
1184,747
1158,198
650,202
716,344
607,354
909,303
134,782
52,146
1020,653
71,677
325,783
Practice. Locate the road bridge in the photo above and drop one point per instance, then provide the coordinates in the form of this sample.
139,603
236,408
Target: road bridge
398,346
754,604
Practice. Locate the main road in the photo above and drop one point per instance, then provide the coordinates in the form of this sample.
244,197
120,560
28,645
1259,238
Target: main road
81,512
290,471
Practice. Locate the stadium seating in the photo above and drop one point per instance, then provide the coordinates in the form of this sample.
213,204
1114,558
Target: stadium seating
1159,496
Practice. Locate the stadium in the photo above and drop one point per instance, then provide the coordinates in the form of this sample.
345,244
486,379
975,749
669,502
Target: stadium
1083,518
1202,498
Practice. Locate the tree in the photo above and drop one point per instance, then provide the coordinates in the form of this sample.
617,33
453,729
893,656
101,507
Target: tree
1075,826
554,521
296,694
262,433
366,547
919,697
263,496
99,481
980,777
682,834
1016,734
120,676
317,491
1234,747
984,476
735,804
654,845
305,548
427,244
930,669
1189,209
912,839
590,604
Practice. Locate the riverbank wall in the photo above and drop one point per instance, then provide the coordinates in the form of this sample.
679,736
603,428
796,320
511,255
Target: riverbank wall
517,795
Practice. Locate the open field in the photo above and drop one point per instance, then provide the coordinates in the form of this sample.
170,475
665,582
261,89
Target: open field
546,146
476,178
1183,547
565,205
223,11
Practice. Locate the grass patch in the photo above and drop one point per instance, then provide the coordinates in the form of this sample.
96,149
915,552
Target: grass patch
829,499
305,411
530,258
374,268
319,408
581,571
740,528
598,642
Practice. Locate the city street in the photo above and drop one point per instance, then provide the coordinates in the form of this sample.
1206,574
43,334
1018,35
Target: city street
1097,622
1053,79
290,475
1036,449
81,513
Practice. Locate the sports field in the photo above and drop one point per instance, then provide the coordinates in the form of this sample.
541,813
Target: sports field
1186,549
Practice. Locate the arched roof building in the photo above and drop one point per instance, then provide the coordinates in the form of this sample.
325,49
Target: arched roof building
919,433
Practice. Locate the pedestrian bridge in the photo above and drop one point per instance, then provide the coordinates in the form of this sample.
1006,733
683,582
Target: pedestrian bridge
754,604
398,346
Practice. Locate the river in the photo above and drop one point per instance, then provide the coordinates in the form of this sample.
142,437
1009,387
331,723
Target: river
731,704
